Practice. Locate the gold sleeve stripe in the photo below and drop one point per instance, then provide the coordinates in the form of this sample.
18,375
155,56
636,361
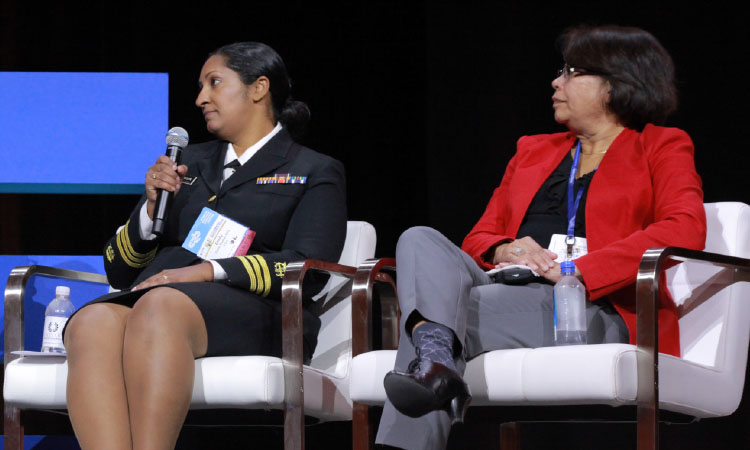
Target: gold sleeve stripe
137,264
257,271
129,246
250,272
128,254
266,274
258,274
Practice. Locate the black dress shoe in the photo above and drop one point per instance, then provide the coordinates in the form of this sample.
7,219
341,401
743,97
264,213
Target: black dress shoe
425,387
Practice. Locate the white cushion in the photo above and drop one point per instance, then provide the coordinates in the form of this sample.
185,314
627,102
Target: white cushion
368,371
237,382
603,374
36,381
523,376
244,382
554,375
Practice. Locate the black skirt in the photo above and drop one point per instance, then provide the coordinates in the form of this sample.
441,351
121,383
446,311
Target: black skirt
237,322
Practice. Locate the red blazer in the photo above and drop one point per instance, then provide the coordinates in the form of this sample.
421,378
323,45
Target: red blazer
646,193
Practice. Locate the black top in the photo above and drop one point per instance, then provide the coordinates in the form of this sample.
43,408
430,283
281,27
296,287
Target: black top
548,211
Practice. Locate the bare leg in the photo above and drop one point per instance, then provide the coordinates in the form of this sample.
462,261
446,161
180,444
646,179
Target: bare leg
164,334
96,396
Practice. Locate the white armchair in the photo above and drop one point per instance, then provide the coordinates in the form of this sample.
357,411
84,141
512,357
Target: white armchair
319,390
713,294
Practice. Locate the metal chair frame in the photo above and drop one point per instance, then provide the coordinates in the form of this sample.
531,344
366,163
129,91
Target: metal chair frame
292,347
653,263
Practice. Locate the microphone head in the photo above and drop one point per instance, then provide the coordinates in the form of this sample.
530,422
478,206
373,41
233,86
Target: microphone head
177,137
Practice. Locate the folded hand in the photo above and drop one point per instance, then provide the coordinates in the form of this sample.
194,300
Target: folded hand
527,252
199,272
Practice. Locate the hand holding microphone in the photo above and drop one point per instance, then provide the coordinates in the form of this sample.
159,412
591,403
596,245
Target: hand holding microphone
164,178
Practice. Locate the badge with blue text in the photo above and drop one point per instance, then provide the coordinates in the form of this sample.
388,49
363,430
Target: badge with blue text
215,236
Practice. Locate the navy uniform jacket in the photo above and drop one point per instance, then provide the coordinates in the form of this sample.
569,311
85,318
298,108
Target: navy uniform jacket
293,222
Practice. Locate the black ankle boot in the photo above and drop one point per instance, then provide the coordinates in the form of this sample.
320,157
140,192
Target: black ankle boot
428,386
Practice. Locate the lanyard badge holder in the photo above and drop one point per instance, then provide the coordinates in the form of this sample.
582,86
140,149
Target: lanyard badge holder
569,304
569,242
570,239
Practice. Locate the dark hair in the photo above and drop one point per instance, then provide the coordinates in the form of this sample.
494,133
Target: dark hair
639,70
254,59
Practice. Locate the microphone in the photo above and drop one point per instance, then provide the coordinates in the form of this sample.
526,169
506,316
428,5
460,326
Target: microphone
177,139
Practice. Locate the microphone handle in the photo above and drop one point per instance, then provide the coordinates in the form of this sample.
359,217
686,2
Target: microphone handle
164,198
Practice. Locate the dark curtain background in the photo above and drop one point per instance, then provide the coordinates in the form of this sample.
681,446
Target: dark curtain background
422,101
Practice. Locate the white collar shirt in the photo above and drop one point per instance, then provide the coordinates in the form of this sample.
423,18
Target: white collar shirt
231,154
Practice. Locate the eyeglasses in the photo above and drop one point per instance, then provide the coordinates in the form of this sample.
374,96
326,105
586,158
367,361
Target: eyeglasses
568,72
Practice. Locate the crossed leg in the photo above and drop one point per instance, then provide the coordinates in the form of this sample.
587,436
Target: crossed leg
131,371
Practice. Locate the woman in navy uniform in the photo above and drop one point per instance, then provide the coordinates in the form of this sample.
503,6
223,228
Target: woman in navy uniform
130,354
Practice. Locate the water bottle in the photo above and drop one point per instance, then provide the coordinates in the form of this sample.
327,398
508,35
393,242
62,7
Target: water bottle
569,307
55,317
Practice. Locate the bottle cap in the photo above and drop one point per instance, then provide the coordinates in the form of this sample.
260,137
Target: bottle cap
568,267
62,290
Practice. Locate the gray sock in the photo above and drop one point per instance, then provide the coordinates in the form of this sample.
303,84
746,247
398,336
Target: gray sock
434,342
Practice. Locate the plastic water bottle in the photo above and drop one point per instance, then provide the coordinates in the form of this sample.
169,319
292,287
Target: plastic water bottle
569,307
55,318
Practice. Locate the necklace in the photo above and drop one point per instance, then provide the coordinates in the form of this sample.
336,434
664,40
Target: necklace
589,154
595,153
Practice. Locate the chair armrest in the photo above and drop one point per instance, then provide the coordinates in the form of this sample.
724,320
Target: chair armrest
291,337
647,302
15,291
368,273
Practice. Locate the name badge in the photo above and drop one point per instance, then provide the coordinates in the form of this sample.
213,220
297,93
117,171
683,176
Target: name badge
215,236
557,244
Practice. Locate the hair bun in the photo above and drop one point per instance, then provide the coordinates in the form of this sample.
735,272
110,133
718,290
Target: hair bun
295,117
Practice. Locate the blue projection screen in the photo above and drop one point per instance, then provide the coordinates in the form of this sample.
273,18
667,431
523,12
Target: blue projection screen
67,132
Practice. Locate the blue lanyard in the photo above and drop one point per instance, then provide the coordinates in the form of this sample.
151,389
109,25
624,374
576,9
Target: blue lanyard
573,206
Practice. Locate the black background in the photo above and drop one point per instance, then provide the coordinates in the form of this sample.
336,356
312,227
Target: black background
422,101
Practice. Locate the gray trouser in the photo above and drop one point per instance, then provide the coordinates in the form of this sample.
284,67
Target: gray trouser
444,285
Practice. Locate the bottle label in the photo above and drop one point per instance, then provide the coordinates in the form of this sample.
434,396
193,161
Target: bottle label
52,337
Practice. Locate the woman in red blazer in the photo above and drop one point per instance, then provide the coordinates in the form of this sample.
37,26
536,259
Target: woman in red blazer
646,194
638,189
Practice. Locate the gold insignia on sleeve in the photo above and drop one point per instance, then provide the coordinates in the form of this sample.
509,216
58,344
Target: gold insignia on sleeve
266,274
110,253
128,253
258,274
280,268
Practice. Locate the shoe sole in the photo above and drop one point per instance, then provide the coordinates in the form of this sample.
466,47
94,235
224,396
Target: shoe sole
408,396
